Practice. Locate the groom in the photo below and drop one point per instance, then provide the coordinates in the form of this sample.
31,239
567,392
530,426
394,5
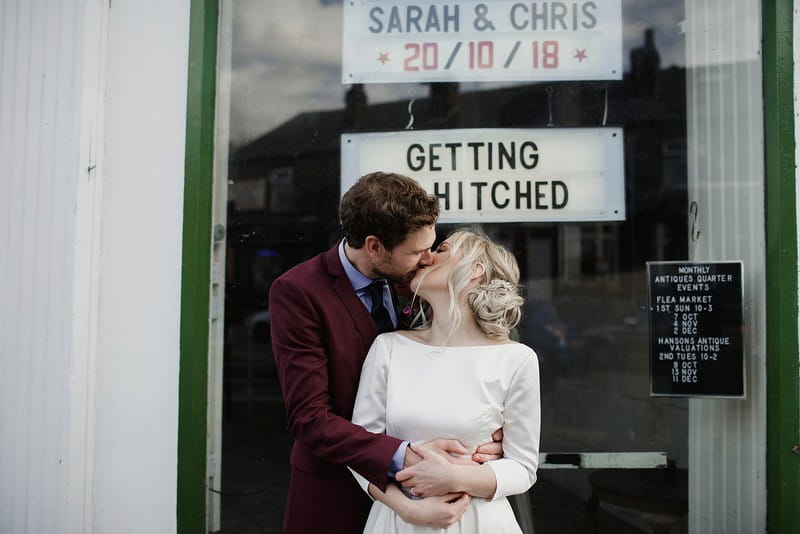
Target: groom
325,313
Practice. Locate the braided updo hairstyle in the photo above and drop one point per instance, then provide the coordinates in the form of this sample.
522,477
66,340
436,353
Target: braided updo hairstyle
495,301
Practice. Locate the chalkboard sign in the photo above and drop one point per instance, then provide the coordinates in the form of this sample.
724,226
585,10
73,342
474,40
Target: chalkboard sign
696,329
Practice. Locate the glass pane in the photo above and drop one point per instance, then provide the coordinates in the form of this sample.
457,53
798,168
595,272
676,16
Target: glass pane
586,313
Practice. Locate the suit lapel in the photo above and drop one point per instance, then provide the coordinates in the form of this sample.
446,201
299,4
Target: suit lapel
350,301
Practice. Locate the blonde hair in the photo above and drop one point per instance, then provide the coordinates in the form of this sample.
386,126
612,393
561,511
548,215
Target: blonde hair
495,302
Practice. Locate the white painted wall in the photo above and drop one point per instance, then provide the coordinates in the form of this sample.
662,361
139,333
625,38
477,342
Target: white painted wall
140,264
92,137
40,169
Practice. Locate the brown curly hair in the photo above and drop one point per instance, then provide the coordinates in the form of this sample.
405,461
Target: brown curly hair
389,206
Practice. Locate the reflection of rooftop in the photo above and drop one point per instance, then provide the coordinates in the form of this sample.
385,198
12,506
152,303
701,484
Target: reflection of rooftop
572,104
294,136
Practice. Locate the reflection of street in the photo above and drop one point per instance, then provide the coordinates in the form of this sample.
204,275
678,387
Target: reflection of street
598,397
255,467
595,385
250,376
256,477
605,410
582,410
255,472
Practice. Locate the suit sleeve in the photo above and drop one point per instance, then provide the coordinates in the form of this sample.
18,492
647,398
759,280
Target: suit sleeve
301,357
516,471
370,407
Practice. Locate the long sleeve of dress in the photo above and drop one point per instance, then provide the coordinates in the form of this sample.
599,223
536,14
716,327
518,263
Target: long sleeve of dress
516,471
370,407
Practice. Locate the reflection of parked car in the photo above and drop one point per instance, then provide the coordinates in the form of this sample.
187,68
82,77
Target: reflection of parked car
257,327
587,334
542,328
250,373
622,344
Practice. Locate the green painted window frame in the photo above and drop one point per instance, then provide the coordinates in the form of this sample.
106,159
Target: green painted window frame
783,361
196,267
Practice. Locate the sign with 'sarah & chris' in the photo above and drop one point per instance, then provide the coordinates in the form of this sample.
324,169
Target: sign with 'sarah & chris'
490,40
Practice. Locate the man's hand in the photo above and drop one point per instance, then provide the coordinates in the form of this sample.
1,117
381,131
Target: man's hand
435,474
490,451
436,512
452,449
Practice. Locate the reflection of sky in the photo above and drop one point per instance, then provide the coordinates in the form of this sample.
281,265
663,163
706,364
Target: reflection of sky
287,58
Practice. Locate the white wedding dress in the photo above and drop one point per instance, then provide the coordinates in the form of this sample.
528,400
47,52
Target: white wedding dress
419,392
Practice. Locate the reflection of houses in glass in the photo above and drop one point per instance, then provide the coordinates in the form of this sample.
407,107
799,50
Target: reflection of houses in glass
570,270
285,185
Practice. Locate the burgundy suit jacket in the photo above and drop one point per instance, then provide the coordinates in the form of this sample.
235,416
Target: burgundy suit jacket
321,332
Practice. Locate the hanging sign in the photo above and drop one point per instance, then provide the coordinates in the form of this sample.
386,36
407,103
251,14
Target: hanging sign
501,175
435,40
696,329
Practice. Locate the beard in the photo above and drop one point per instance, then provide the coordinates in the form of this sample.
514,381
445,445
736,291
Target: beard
385,269
397,278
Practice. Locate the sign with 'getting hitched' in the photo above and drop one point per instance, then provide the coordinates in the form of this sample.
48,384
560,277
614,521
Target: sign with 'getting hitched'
501,175
492,40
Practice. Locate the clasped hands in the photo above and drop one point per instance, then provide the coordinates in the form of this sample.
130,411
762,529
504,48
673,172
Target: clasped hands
431,467
430,471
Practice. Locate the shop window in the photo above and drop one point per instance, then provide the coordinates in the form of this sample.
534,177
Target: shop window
585,281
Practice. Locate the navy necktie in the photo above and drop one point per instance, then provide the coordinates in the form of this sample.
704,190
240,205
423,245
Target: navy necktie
378,311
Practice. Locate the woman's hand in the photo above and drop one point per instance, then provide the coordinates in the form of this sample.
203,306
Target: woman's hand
452,449
432,475
435,475
492,450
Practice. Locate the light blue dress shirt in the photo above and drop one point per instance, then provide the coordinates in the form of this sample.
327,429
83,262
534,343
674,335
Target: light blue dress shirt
360,282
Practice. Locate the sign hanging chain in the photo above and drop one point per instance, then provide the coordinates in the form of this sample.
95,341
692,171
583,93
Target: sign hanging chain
410,125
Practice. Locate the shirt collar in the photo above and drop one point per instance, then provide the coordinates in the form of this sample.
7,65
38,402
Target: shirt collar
357,279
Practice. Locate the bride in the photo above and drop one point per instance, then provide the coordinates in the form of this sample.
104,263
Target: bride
459,376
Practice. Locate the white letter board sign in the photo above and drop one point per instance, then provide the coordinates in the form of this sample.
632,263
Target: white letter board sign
495,40
501,175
